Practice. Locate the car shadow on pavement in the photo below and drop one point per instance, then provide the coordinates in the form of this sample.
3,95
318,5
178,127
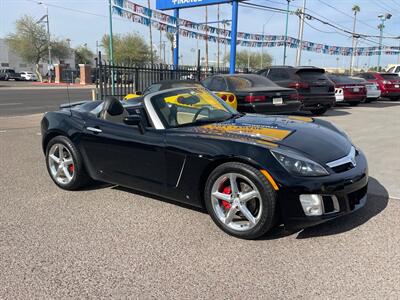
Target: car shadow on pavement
378,198
334,111
381,104
159,198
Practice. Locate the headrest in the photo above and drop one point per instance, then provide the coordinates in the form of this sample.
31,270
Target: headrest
113,106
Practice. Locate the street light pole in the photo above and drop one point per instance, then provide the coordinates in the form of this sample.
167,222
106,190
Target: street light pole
381,26
286,32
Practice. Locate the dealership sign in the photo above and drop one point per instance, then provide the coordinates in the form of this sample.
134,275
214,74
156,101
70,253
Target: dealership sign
172,4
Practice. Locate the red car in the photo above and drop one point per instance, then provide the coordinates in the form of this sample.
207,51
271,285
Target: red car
353,91
389,83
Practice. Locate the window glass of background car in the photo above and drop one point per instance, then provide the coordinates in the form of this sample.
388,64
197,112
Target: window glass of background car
308,75
278,75
397,70
390,76
390,70
248,81
218,84
153,88
206,82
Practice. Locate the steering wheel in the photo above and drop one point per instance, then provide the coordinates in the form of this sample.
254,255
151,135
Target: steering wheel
199,111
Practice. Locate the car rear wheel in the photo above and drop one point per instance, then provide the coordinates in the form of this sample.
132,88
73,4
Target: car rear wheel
354,103
319,111
395,99
65,165
240,200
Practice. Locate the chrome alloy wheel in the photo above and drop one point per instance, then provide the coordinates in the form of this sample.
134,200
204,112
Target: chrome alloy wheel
236,201
61,164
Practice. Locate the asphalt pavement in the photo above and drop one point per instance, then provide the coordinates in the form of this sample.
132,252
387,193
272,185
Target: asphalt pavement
110,242
26,100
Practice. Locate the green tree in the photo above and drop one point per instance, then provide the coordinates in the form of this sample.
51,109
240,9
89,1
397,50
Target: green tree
251,60
30,42
83,55
128,49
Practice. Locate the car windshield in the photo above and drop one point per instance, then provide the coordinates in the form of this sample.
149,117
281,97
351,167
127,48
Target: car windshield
311,75
249,81
341,79
191,106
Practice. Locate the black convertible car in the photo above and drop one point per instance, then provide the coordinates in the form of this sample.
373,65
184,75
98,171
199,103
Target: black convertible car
249,171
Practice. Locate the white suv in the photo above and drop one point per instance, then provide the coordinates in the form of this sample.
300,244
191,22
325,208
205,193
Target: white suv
394,69
26,75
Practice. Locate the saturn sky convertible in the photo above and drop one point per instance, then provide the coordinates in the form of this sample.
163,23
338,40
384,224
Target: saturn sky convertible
250,172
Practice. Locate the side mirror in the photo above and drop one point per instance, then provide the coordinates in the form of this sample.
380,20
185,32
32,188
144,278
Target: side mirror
132,120
138,93
135,120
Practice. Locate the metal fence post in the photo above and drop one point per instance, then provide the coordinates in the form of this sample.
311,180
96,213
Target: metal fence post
136,79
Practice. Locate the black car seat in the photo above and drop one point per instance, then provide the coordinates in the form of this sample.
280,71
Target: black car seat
113,110
168,111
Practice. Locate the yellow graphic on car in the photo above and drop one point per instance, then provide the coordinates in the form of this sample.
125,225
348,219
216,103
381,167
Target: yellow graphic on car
262,132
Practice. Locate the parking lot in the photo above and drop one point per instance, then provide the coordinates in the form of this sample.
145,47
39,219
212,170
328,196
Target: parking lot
107,241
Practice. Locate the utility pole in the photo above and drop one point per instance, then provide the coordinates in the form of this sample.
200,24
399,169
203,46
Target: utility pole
49,59
286,32
218,15
151,36
302,15
355,9
225,44
206,38
381,26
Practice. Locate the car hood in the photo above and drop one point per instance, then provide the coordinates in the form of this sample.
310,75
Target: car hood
317,139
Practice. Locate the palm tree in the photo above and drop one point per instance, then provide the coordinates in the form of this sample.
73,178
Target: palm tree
171,38
356,9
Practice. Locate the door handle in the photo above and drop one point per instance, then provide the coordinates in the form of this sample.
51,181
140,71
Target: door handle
94,129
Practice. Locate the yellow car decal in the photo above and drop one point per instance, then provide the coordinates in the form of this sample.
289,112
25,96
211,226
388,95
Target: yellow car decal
269,134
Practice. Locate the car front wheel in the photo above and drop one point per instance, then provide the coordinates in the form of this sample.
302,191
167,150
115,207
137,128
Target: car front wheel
240,200
65,165
319,111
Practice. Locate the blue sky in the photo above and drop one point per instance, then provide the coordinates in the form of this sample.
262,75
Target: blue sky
85,21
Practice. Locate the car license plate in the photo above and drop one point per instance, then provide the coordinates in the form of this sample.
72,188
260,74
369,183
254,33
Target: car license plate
396,86
356,90
277,101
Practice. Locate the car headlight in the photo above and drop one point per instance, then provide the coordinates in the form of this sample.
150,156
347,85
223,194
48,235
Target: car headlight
298,165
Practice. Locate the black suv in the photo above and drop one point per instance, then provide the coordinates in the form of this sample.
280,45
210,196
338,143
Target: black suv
7,74
315,89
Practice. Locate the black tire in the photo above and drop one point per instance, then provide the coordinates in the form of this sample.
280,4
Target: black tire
268,199
80,177
395,99
319,111
354,103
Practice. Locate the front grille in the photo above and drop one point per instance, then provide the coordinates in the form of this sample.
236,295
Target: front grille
345,163
355,197
343,168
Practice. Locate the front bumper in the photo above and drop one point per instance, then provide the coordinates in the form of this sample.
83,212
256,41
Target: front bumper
318,101
349,188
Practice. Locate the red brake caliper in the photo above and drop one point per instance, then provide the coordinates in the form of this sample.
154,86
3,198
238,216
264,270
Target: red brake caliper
71,168
226,204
